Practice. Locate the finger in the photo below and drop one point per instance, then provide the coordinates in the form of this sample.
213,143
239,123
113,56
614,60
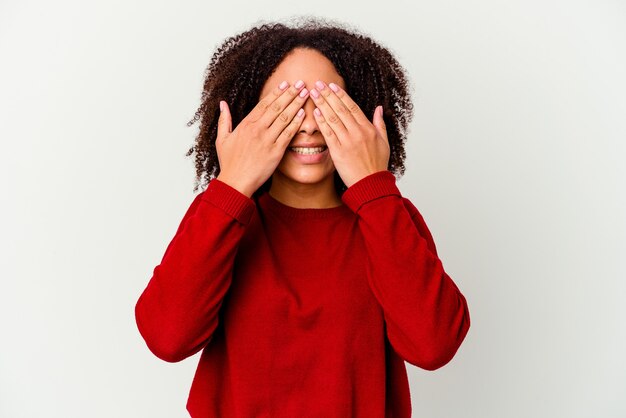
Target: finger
287,134
224,122
350,104
327,131
330,118
259,110
275,111
286,116
379,122
333,98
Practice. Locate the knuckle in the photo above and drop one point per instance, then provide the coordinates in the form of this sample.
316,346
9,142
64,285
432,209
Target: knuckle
254,129
262,104
253,119
353,108
333,119
287,133
275,106
283,117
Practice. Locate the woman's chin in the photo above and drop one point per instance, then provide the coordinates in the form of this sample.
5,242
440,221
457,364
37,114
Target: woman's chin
305,174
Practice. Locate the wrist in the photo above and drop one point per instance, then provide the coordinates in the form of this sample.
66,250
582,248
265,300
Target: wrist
240,187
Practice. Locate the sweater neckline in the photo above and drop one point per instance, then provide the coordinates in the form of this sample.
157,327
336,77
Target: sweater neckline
267,201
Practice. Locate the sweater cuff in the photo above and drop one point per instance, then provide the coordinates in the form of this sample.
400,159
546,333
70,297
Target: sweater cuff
230,200
378,184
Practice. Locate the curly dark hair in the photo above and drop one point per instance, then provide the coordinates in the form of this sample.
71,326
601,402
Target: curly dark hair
241,65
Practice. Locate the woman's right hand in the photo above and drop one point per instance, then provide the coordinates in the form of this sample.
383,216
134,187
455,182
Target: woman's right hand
249,155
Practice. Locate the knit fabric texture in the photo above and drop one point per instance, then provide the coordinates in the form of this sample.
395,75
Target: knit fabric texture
303,312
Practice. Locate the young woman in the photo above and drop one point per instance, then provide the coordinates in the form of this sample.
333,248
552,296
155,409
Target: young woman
301,272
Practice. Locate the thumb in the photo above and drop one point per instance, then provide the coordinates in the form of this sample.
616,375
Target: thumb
379,122
224,123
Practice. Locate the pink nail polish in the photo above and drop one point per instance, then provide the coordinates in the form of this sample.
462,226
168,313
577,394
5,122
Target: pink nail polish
333,87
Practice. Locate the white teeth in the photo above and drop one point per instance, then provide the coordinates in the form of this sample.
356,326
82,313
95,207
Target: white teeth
303,150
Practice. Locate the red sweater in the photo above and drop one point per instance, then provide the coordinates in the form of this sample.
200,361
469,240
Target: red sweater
303,312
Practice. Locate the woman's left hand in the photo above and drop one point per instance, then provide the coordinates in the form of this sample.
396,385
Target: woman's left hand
357,146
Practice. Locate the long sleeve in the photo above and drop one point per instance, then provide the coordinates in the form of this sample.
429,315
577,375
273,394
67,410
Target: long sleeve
426,315
177,312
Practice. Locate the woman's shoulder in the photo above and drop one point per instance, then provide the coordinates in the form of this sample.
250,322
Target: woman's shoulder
409,206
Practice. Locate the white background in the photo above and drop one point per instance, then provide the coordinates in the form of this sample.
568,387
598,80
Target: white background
515,159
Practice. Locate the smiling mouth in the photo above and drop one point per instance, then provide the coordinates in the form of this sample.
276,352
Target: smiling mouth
308,150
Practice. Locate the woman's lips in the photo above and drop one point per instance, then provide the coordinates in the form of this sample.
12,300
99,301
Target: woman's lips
310,158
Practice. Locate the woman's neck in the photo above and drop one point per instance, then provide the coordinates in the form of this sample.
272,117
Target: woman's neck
305,195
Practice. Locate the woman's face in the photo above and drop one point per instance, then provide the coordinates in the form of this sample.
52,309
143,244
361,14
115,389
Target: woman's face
309,66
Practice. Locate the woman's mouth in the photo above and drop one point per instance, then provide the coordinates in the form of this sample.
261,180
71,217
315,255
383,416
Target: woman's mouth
310,155
308,150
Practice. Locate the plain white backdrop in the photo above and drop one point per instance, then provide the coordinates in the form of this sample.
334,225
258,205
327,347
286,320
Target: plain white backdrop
515,158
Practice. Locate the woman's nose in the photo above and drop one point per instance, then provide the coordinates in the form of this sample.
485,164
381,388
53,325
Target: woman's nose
309,124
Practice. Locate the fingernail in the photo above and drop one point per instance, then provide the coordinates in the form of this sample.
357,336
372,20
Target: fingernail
303,92
334,87
221,106
319,85
299,84
314,93
283,85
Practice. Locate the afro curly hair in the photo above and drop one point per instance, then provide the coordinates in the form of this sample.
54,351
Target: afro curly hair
242,63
